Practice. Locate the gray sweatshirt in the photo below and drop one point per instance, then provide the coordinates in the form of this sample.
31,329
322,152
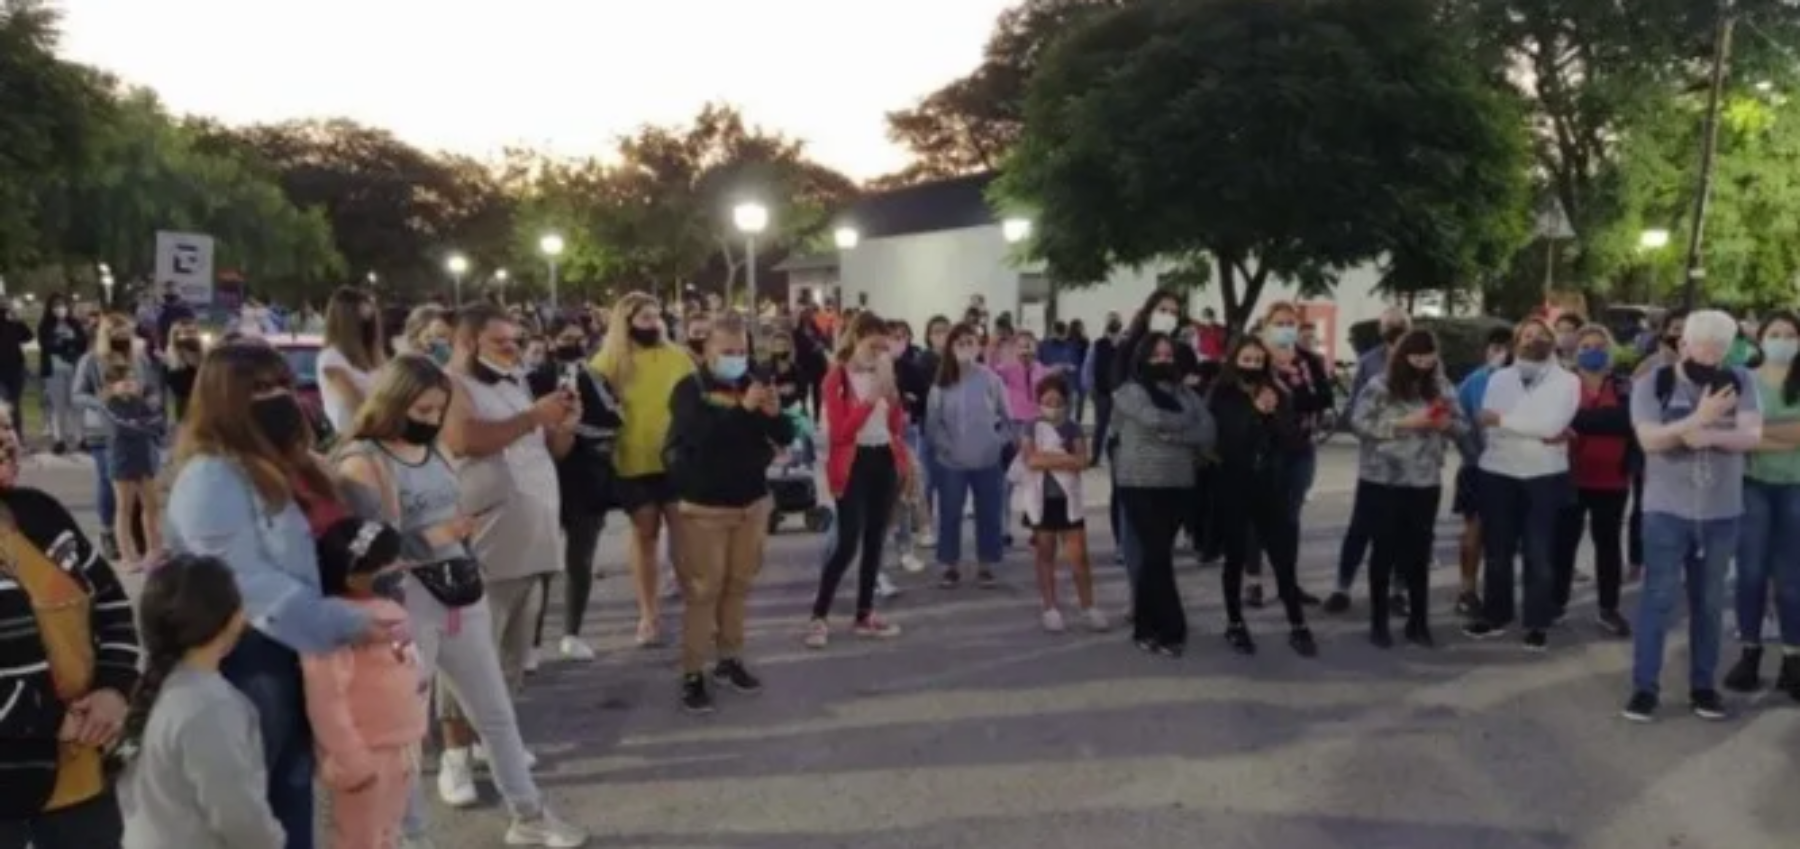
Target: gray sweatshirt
1158,448
198,781
84,393
1394,456
966,422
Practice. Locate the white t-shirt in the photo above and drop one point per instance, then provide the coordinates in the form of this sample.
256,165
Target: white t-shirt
874,432
337,407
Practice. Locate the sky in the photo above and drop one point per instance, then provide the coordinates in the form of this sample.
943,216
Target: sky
565,76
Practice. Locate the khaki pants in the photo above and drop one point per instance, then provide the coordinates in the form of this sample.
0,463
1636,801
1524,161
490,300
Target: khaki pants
721,552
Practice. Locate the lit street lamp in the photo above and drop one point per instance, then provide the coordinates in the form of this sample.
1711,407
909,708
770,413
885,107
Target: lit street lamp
552,246
751,219
846,238
373,279
106,284
1653,240
458,265
1015,230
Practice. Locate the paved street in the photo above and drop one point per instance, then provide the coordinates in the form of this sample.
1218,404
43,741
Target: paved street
976,729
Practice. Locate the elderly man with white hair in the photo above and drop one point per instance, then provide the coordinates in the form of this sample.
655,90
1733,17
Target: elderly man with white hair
1696,418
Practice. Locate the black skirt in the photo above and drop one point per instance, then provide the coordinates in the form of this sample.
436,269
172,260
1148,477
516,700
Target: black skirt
1055,516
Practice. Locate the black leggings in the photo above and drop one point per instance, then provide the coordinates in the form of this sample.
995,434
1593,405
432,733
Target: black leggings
862,519
1155,516
1251,517
1603,513
1402,524
581,537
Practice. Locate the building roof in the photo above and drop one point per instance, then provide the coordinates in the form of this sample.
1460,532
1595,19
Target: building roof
951,204
809,262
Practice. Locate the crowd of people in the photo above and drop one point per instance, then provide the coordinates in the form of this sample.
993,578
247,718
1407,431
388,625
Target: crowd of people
321,591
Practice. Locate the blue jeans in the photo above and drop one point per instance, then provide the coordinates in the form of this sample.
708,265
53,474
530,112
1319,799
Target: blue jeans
1678,550
268,673
1769,549
1518,522
103,488
955,486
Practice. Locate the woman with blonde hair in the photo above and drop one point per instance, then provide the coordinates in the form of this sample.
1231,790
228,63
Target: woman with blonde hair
638,361
427,333
113,340
353,351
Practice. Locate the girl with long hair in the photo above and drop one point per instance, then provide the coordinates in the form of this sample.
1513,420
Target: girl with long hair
354,350
1770,535
181,363
1305,379
61,342
1602,453
967,429
114,338
638,361
193,748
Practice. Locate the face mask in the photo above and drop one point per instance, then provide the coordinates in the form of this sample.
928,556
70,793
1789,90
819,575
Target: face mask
1253,375
966,355
1593,359
698,346
1530,371
644,337
1160,372
1780,351
1283,336
493,369
279,419
1671,342
1055,414
1113,328
439,351
568,353
188,344
1565,342
1703,375
121,344
420,433
60,312
731,367
1163,322
1536,350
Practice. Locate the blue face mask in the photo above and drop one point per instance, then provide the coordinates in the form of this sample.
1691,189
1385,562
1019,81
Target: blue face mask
439,351
1284,336
1593,359
1780,351
730,368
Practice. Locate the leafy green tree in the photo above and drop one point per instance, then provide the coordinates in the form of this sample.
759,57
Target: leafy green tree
48,110
1280,138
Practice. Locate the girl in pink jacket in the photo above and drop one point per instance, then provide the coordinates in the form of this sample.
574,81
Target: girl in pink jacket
366,703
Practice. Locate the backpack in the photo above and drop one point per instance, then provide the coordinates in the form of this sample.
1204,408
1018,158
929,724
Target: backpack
1665,384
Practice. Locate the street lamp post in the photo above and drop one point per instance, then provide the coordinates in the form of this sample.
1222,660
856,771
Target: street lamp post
106,285
1709,152
1015,230
457,265
552,246
751,218
847,238
500,279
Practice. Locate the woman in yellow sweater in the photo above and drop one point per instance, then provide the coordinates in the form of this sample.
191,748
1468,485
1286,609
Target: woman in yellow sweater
638,360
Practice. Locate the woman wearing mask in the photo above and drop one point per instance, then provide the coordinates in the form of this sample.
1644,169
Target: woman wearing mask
1020,372
63,343
638,361
866,459
113,340
726,426
181,364
397,474
353,352
1162,313
1524,485
790,386
1568,327
695,326
427,332
1770,534
584,477
967,430
912,516
1164,429
1407,421
248,491
1305,378
1254,419
1602,455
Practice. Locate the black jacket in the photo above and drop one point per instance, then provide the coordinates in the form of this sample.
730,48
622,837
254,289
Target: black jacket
13,337
914,383
30,713
1613,421
1252,444
718,453
67,348
585,474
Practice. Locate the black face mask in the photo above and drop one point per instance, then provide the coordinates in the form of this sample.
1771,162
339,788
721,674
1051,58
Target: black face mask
645,336
698,346
1160,372
568,353
1671,342
121,344
369,329
1703,375
1113,328
420,433
280,419
1254,375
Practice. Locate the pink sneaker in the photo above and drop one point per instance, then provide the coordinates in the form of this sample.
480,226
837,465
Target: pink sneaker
873,627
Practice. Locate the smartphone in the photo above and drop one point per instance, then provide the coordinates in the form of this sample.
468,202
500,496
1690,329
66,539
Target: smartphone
570,377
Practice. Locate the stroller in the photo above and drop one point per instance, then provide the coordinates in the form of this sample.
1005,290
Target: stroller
793,481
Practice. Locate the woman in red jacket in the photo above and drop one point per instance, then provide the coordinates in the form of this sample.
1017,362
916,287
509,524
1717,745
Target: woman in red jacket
865,424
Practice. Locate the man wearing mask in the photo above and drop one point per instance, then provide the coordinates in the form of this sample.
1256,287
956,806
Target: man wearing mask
1568,325
1394,323
696,326
1094,381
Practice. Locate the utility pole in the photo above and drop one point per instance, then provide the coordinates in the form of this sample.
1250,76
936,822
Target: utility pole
1709,151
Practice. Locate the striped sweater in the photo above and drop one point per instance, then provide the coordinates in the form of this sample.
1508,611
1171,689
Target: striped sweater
30,712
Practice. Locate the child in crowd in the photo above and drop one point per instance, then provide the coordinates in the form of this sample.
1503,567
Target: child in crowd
192,750
366,703
1047,490
134,429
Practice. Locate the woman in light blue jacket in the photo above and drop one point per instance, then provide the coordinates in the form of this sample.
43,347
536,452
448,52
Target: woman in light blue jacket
114,337
247,491
967,427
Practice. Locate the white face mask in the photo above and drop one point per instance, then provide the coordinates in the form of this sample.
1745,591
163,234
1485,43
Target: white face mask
60,312
1162,322
966,356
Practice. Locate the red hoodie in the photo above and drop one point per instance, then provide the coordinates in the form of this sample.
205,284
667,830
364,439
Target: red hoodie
846,414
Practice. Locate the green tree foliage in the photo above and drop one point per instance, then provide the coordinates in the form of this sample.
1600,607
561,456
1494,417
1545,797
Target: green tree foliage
47,118
1278,137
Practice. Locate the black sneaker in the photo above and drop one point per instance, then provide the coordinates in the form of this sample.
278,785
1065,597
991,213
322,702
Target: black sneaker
1537,641
1708,704
1468,604
1419,635
1746,675
60,448
1642,707
1301,641
1238,637
1253,597
1478,629
1308,599
733,674
695,697
1338,602
1612,623
1789,680
950,580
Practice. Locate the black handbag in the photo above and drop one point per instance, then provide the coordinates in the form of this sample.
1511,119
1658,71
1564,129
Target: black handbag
454,583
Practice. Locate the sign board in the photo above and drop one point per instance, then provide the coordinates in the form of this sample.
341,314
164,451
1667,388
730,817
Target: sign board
186,260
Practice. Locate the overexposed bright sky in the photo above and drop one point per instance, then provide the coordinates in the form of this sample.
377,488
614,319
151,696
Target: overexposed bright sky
567,76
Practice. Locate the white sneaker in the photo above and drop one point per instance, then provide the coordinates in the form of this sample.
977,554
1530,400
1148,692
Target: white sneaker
884,588
1053,621
533,659
545,829
1096,621
925,540
911,563
456,779
574,649
480,755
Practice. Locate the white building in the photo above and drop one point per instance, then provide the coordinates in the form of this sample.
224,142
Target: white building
925,250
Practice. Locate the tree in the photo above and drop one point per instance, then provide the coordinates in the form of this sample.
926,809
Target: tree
48,109
1277,137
